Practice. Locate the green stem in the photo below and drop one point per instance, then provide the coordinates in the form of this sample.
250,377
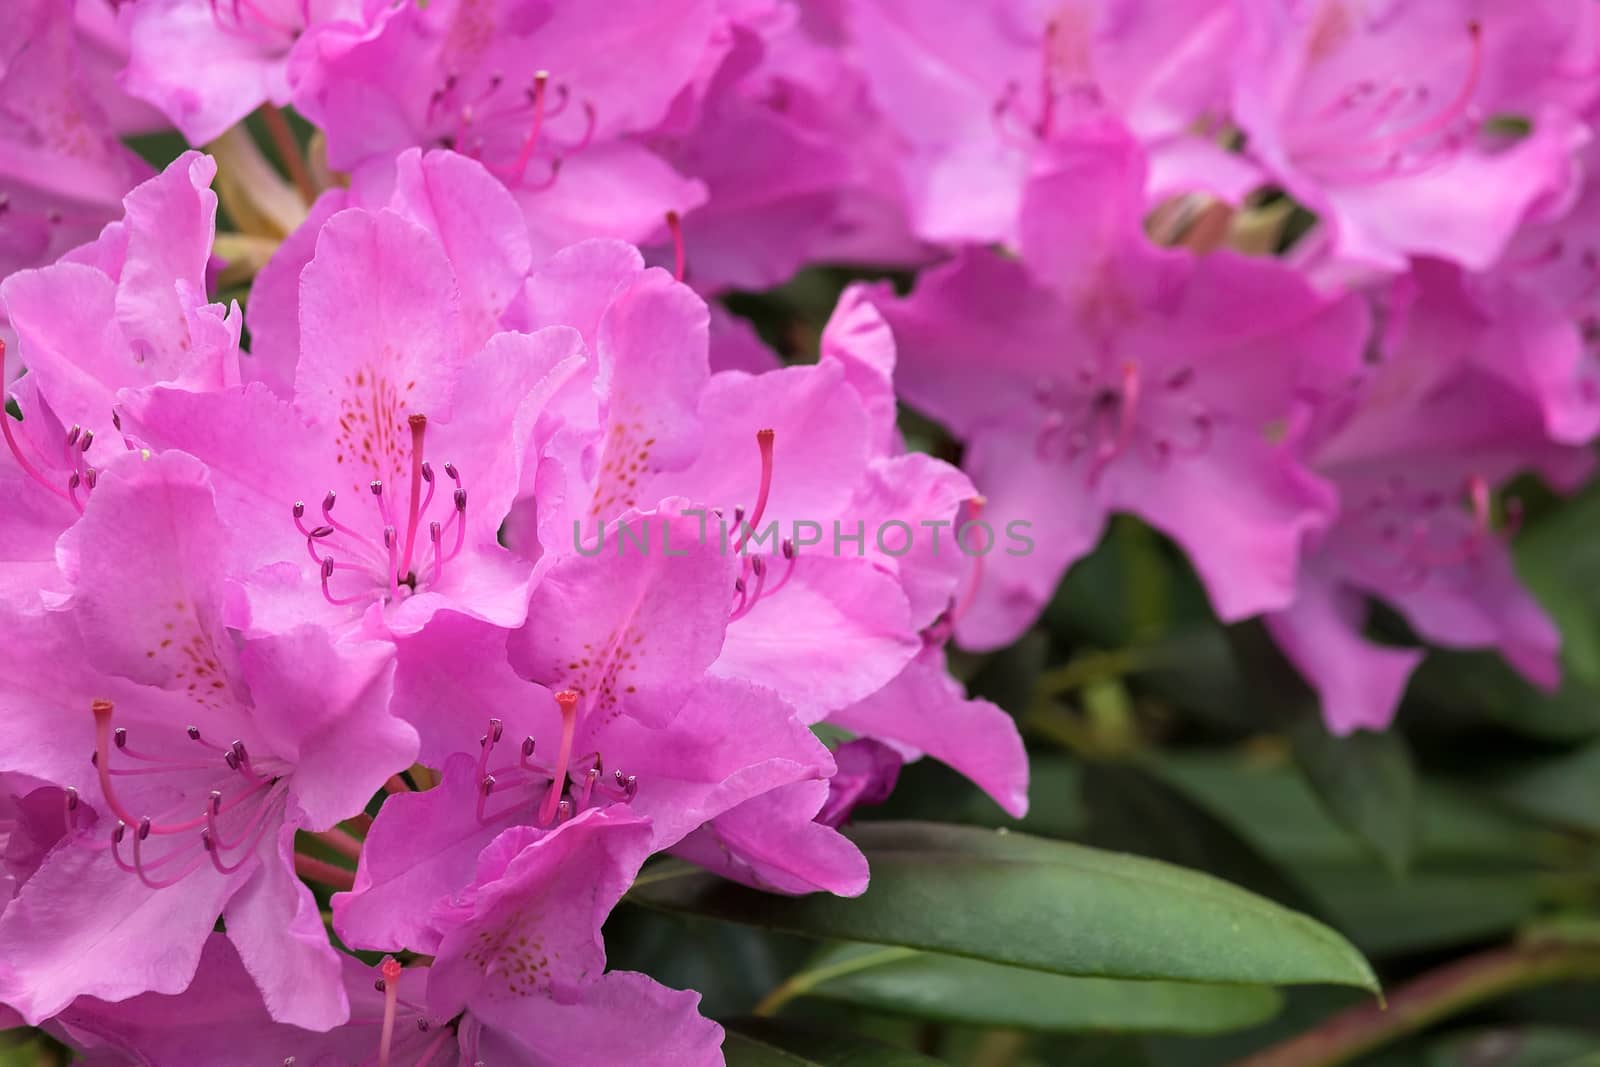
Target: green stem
1086,668
1425,1000
803,982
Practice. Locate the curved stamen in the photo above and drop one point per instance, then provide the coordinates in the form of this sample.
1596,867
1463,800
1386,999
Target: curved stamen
1446,116
764,439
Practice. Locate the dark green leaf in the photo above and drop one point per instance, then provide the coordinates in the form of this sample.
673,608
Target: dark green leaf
1367,783
1021,900
1564,790
955,989
772,1043
1132,810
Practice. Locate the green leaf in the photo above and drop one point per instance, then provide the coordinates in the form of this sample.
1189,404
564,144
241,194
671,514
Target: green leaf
771,1043
1367,783
1048,905
1428,910
960,990
1133,810
1564,790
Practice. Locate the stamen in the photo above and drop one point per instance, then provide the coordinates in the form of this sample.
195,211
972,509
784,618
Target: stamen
390,969
419,426
764,440
567,702
540,80
102,711
1447,116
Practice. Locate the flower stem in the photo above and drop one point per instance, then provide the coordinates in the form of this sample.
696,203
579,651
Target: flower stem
294,161
1439,994
341,842
315,870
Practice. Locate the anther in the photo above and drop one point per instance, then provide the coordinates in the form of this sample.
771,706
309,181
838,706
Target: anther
389,985
675,227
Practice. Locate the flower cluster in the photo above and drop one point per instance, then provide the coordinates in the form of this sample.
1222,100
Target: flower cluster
410,608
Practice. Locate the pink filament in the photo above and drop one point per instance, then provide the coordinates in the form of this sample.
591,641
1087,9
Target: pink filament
567,701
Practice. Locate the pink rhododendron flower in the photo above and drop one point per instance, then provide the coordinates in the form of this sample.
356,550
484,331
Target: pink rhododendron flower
1543,302
129,310
206,64
63,172
193,821
619,1017
800,455
977,91
637,725
1373,116
139,290
381,487
798,166
1102,374
1415,456
552,97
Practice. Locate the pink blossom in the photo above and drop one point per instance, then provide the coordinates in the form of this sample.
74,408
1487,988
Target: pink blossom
1101,374
798,166
206,64
63,172
378,492
1374,118
978,91
193,821
139,289
553,98
1416,455
622,1016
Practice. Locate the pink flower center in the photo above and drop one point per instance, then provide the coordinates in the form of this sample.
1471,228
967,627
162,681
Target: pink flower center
241,798
1096,417
1376,128
505,127
1408,534
1066,79
568,786
393,564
